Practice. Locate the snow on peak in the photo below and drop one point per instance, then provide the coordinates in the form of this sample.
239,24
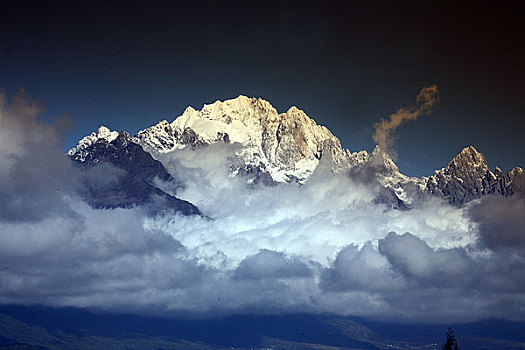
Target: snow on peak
280,147
103,134
381,157
287,145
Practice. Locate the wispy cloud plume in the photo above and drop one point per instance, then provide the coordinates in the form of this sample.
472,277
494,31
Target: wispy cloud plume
427,98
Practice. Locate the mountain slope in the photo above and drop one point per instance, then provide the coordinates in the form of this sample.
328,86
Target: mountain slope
137,176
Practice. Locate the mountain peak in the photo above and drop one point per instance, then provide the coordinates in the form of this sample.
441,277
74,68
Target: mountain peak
287,146
469,157
381,157
241,104
294,110
123,139
465,178
470,151
378,150
103,134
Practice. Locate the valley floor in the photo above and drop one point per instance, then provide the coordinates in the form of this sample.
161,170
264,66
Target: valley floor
42,328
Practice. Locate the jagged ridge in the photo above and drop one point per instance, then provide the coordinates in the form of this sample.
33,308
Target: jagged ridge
287,147
468,177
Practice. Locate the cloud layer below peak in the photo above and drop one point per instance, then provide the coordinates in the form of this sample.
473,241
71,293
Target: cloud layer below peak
323,247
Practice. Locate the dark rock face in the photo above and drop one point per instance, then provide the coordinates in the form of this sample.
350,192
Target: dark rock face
468,177
135,186
388,196
258,174
510,183
127,155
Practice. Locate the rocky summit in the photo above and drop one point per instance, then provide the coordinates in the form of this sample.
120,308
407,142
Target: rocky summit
468,177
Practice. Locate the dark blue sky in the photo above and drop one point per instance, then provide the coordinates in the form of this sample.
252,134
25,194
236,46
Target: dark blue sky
347,65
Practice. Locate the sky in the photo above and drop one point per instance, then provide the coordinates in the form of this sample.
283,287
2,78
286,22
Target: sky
346,64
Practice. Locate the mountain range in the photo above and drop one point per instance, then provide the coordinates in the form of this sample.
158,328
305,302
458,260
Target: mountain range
271,148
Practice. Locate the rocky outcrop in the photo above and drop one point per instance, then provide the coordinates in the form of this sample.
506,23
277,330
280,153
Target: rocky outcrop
468,177
136,179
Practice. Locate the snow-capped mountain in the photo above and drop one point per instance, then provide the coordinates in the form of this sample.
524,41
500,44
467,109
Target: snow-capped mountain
277,147
286,146
82,150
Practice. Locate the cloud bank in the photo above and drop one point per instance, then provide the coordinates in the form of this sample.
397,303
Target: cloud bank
324,247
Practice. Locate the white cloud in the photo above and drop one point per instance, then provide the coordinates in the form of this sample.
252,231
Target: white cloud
321,247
